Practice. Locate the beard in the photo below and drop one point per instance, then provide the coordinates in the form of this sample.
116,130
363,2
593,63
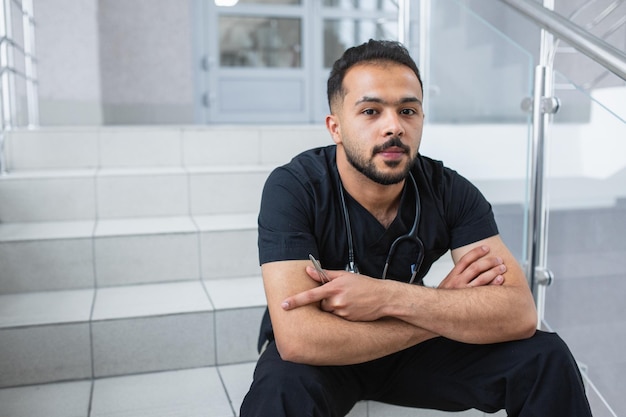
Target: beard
368,168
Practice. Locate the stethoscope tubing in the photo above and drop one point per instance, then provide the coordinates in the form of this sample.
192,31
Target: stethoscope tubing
412,235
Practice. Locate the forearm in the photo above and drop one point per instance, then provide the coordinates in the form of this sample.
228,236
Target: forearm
486,314
331,340
310,335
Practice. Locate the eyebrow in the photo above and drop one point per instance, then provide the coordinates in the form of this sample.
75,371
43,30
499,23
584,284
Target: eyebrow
367,99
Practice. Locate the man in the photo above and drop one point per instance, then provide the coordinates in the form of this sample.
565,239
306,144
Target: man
372,203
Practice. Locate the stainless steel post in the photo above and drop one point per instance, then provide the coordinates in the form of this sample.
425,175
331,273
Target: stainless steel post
30,64
6,66
424,52
404,22
5,105
544,105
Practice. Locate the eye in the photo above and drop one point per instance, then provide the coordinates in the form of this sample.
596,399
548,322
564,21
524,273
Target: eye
369,112
408,112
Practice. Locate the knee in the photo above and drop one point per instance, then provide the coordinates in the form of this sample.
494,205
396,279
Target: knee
285,388
552,356
555,350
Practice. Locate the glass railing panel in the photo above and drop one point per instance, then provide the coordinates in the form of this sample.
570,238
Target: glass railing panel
586,247
605,19
477,78
478,73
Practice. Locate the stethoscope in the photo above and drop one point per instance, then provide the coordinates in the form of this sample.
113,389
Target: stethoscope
411,236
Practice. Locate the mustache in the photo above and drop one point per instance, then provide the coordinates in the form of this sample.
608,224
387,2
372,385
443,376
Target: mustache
393,142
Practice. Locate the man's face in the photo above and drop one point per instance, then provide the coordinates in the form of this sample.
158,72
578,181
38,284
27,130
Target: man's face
378,124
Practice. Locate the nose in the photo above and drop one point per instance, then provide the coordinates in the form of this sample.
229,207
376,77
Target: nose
393,126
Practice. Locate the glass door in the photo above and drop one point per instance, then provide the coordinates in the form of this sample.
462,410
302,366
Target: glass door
267,61
255,66
341,24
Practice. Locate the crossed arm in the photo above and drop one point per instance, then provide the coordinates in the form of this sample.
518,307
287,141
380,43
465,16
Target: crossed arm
355,318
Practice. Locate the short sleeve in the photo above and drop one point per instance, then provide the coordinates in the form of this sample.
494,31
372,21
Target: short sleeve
285,223
468,214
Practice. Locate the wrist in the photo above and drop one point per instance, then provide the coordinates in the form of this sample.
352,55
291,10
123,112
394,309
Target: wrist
397,301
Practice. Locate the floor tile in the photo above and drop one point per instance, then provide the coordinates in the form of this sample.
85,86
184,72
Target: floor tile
236,292
237,334
47,199
359,410
45,307
376,409
229,253
237,379
45,230
67,263
226,192
221,222
150,300
120,148
188,393
200,150
279,147
39,354
144,226
70,399
146,193
147,259
54,148
152,344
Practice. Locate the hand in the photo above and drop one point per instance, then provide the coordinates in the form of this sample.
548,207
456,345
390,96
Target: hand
475,269
351,296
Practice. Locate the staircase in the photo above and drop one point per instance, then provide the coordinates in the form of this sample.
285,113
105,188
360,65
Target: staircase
129,277
127,251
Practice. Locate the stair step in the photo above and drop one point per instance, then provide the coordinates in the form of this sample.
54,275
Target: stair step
123,330
212,391
69,335
85,254
64,195
126,146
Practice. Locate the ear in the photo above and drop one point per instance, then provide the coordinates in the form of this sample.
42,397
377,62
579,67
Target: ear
332,125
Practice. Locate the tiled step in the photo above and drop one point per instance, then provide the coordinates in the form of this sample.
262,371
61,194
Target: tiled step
213,391
69,195
71,335
89,254
107,147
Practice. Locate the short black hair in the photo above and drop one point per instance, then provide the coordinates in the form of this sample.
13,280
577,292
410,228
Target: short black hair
371,51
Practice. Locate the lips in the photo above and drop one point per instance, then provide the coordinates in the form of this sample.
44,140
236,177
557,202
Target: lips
393,148
392,152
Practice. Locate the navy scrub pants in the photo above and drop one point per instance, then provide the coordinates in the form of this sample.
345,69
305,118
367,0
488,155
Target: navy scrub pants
532,377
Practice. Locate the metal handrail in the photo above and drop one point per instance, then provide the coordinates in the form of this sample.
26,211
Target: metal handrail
595,48
544,105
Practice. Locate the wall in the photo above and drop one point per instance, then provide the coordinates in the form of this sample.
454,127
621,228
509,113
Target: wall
114,62
69,67
146,61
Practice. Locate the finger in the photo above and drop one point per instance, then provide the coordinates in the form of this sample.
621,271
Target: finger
491,277
498,280
481,266
312,272
472,256
304,298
